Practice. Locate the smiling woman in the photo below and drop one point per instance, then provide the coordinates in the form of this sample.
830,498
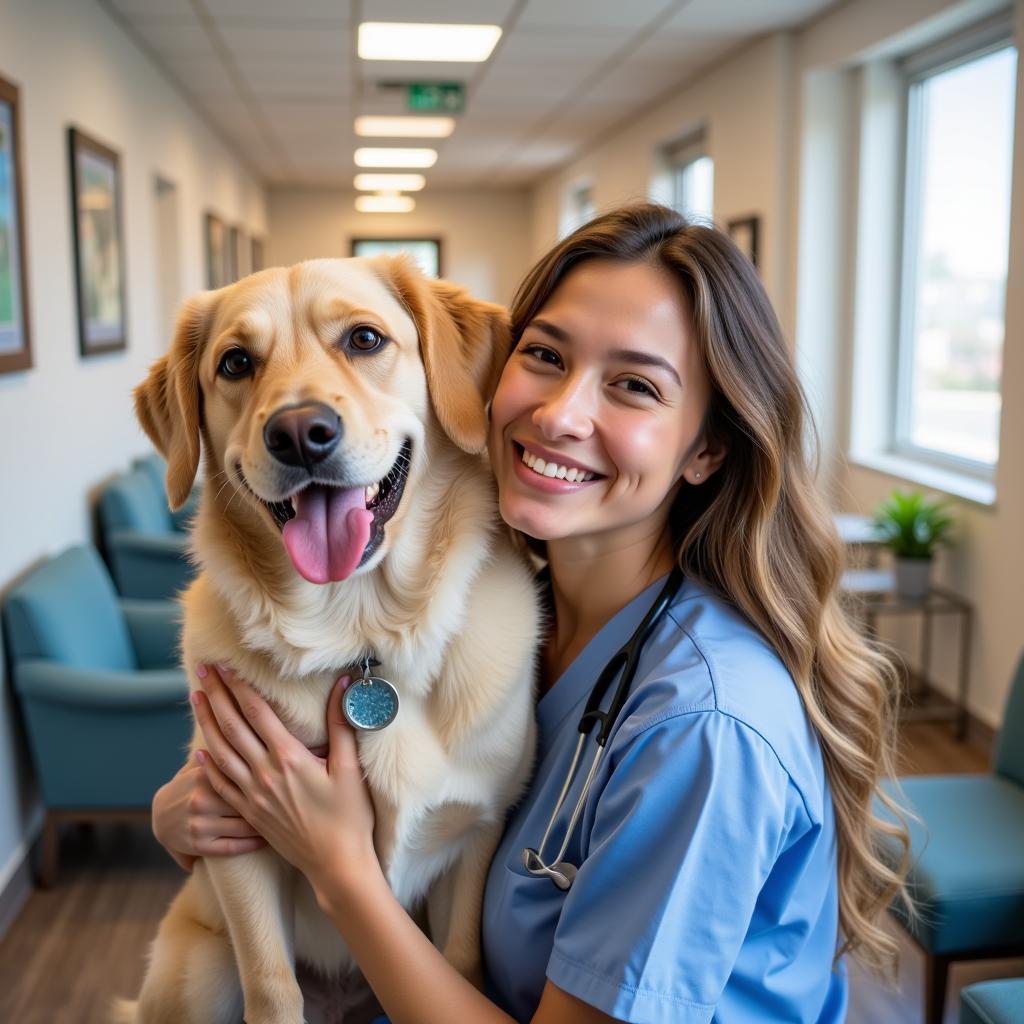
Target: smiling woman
719,857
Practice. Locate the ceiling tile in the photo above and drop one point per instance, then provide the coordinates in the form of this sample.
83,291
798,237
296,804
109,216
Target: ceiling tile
445,12
744,17
291,41
274,10
201,77
280,79
572,14
151,7
175,39
416,71
573,46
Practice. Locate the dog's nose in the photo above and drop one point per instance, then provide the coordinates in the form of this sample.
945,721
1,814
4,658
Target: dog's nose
301,435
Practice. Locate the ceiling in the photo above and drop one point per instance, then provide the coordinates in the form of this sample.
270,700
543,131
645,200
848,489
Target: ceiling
280,81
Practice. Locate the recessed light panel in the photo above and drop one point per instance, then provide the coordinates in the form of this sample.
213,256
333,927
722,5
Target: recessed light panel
395,157
385,204
392,40
389,182
381,127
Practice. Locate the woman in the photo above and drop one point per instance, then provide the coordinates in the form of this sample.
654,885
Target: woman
649,417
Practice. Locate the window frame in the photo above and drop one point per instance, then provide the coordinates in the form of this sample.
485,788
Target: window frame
680,155
988,37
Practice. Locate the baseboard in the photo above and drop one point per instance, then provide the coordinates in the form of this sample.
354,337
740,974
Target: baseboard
16,877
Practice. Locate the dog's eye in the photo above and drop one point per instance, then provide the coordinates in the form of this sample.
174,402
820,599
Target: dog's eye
366,339
235,363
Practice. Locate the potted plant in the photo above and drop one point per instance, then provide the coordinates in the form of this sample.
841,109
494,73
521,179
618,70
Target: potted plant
913,526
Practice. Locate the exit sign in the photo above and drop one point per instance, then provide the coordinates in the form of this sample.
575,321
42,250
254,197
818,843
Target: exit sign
437,97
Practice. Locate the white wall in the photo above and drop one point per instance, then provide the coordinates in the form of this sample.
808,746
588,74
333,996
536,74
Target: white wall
67,424
768,110
742,104
484,233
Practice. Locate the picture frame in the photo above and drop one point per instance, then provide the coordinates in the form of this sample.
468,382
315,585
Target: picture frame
15,329
98,244
231,251
216,244
426,251
243,253
745,232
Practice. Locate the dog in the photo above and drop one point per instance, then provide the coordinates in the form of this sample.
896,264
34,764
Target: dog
340,408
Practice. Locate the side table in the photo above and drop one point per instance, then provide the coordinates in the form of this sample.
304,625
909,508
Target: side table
875,593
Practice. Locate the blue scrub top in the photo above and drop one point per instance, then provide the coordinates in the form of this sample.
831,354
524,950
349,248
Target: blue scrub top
707,885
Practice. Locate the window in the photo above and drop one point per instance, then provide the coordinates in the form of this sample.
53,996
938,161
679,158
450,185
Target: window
577,209
692,177
960,111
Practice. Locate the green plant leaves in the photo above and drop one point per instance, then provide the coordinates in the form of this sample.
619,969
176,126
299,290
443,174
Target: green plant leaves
913,525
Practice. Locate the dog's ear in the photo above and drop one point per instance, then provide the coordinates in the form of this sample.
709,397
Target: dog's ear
465,343
168,401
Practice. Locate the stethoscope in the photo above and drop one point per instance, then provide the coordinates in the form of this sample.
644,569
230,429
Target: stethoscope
562,873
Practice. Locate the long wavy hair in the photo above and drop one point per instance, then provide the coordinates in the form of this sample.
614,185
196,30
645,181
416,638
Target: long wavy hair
759,534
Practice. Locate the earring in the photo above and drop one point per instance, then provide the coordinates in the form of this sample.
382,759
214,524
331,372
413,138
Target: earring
696,476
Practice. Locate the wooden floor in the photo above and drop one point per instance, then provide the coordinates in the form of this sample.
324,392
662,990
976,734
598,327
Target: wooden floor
72,948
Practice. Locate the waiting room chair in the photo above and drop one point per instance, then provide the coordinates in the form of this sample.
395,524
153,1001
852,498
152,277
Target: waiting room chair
156,466
105,705
993,1002
967,859
148,556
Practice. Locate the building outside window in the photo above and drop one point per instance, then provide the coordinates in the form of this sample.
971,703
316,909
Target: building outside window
959,144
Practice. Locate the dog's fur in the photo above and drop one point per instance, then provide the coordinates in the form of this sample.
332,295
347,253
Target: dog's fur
444,602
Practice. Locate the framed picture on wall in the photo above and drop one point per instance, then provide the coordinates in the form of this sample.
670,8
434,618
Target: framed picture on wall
243,253
426,251
231,252
744,231
216,252
15,338
99,244
256,258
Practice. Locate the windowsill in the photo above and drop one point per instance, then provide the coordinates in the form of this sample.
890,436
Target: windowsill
958,485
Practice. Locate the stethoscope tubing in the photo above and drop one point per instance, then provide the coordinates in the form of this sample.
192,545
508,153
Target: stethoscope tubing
626,659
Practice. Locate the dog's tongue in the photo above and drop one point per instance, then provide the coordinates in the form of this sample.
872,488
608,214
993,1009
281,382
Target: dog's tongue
329,533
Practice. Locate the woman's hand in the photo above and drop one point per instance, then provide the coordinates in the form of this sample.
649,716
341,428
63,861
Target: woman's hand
315,811
190,820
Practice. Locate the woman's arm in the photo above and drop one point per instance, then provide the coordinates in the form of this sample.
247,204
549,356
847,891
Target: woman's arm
318,814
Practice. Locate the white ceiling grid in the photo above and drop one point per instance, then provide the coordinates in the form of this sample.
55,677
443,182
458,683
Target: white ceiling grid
281,81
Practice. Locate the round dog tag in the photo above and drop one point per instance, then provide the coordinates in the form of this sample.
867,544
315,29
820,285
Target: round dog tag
371,703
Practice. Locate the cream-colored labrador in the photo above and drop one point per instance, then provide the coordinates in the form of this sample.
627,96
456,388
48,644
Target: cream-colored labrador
340,406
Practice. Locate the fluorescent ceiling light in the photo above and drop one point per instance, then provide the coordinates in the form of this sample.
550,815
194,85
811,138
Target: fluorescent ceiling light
385,204
392,40
395,157
370,126
389,182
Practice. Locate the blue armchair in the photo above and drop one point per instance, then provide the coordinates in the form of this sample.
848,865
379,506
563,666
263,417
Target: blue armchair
148,557
967,859
993,1002
156,466
105,707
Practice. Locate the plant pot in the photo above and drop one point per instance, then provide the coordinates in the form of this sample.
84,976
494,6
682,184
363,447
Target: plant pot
913,577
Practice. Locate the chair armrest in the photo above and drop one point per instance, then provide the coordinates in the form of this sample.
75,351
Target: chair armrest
155,630
57,683
169,546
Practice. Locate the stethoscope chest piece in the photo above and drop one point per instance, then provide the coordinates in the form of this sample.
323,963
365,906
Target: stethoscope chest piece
563,874
370,703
